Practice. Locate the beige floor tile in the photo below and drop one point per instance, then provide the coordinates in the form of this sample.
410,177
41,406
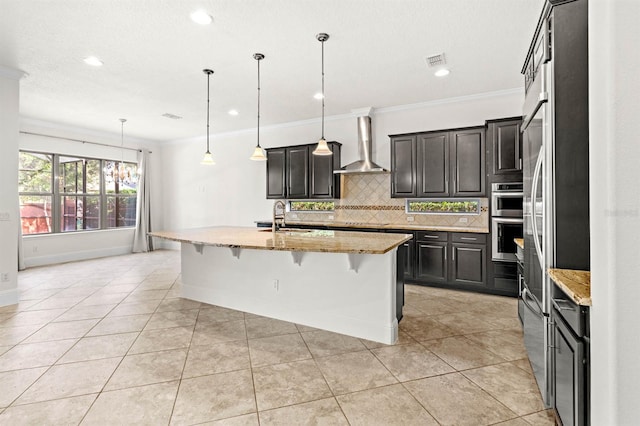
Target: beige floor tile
410,362
122,287
433,305
61,331
325,343
85,312
213,397
541,418
117,325
461,353
264,327
353,372
513,422
161,340
144,405
465,322
213,314
452,399
287,384
143,295
305,328
403,339
57,302
510,385
146,369
33,317
13,383
388,405
63,381
4,349
523,364
103,299
426,328
277,349
321,412
67,411
34,354
246,420
14,335
171,319
178,304
211,333
217,358
135,308
508,344
99,347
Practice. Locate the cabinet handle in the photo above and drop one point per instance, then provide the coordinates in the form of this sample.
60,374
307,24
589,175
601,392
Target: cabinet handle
468,238
430,236
453,254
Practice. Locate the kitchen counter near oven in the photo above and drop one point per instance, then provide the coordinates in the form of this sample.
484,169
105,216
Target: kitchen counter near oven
575,284
383,226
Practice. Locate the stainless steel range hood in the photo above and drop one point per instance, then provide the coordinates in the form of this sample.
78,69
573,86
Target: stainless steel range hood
365,144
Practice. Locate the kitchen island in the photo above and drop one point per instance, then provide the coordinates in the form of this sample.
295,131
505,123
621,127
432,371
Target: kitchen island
345,282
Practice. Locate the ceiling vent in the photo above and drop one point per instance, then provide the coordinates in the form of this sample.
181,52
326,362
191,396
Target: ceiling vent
171,116
436,60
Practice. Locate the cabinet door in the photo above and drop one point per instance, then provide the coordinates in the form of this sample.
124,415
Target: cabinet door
321,174
433,165
403,167
409,259
468,158
468,264
276,181
506,145
432,261
298,172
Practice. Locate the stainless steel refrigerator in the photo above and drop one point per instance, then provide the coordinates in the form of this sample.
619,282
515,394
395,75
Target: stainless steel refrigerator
555,170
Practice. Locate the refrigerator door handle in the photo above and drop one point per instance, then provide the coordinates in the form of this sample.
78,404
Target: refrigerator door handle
534,194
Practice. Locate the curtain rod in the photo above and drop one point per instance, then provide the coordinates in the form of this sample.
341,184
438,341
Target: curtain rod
81,141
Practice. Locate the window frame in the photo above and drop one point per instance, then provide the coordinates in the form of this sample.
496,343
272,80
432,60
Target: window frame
57,195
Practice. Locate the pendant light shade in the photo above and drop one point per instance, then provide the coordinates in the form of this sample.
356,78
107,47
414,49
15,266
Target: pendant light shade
258,152
322,148
208,158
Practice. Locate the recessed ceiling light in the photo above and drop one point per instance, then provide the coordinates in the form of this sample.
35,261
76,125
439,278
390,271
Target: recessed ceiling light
442,72
201,17
233,112
93,61
318,96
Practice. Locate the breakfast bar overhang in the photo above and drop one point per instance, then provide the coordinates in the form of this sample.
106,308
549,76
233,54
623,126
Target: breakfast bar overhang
340,281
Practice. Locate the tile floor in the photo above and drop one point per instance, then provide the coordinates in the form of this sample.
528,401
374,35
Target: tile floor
109,342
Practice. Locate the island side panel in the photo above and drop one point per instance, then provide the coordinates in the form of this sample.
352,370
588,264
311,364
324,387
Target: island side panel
322,292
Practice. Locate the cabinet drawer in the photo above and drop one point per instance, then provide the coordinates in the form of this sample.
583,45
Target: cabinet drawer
431,236
468,237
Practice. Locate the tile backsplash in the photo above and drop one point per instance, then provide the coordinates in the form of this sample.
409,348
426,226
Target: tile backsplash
366,198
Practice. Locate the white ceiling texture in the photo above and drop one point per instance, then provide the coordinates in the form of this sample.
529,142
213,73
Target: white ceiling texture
154,54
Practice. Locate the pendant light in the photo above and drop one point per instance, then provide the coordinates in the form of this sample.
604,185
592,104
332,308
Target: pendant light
322,148
258,153
208,158
120,173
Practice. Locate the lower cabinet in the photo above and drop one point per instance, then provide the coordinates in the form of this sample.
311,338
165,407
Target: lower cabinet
432,262
468,264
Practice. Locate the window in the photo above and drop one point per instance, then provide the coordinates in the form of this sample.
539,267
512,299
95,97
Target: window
311,206
448,206
88,193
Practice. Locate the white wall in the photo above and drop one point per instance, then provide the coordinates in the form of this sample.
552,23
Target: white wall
233,191
614,90
9,223
54,248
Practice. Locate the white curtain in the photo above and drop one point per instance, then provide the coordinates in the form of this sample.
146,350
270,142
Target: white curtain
141,241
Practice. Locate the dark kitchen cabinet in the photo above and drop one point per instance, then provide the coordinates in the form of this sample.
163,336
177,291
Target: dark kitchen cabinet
468,264
293,172
432,261
439,164
505,150
408,260
403,166
468,162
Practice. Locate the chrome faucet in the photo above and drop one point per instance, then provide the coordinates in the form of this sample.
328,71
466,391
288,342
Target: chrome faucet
276,216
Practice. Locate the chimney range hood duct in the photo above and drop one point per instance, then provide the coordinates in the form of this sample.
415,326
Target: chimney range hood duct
365,143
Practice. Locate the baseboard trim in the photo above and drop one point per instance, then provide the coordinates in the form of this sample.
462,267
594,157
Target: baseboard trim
76,255
9,297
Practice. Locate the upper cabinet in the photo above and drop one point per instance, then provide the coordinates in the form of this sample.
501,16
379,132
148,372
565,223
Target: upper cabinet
439,164
294,172
505,150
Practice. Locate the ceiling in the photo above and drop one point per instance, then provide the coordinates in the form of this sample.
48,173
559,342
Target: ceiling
154,54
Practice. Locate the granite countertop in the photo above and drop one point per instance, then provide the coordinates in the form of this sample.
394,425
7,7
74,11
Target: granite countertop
407,227
292,240
576,284
519,242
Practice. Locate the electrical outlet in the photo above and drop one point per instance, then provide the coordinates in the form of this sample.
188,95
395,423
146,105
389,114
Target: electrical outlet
410,218
5,216
330,217
276,285
464,220
4,277
294,215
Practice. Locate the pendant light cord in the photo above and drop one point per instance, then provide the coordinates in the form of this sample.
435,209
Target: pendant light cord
208,79
322,89
258,129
